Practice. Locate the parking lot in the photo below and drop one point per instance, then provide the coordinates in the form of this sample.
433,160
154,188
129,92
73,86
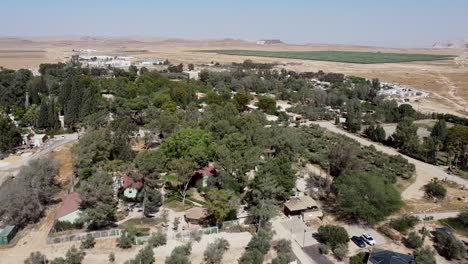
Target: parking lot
356,230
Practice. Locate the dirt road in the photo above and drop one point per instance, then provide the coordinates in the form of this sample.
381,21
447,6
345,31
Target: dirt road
424,171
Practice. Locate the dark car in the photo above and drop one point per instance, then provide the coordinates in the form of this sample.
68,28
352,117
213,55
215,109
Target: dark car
358,241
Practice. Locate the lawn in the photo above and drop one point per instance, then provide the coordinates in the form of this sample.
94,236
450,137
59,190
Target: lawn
336,56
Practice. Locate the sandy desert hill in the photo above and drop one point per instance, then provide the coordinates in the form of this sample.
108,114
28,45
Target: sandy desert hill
446,80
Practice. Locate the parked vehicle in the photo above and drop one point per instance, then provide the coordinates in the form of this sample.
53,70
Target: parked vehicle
369,239
358,241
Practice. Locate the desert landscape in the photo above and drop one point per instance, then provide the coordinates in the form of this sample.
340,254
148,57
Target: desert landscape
446,80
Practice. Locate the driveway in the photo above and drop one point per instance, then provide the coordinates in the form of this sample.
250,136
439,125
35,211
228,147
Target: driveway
438,216
357,230
300,232
424,171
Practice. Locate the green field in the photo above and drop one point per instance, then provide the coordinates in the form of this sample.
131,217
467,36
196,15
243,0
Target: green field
336,56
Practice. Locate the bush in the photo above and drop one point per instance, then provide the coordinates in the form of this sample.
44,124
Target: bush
404,223
112,257
36,258
65,225
341,251
251,257
125,241
463,218
413,241
359,258
158,239
333,235
180,255
214,251
435,190
196,235
144,256
324,249
449,246
88,242
424,256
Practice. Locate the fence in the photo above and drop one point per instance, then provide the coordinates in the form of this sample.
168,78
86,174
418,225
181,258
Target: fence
231,223
77,237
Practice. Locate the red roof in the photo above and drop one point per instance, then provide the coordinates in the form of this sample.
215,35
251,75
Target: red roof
128,181
207,171
70,204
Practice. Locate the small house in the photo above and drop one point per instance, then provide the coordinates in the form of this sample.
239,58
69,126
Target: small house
304,207
197,215
70,209
131,186
389,257
206,173
7,234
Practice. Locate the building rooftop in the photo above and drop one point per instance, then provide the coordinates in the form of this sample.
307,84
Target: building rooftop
127,181
300,203
197,213
7,230
70,204
389,257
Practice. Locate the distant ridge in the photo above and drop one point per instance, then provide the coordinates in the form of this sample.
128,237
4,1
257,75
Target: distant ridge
455,44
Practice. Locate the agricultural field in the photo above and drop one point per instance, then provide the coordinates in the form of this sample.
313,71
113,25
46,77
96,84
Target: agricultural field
337,56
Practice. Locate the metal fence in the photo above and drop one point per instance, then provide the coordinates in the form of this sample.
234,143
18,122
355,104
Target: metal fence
231,223
56,238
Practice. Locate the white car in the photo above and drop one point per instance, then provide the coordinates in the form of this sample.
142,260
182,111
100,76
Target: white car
369,239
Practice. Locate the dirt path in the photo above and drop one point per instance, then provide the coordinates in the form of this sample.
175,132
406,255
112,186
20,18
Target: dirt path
458,101
424,171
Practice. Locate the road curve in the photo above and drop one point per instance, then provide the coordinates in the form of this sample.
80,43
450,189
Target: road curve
424,171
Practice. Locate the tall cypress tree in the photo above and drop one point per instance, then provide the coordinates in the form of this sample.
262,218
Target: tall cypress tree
43,118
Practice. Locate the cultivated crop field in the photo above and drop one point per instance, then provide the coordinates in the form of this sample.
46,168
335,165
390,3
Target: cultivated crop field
337,56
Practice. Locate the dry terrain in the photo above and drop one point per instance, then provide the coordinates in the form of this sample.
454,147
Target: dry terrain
447,81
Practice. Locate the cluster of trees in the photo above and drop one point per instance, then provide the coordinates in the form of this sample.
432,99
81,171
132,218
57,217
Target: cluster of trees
10,135
25,197
257,247
335,238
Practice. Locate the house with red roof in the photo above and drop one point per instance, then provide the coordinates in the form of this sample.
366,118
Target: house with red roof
69,210
205,173
131,185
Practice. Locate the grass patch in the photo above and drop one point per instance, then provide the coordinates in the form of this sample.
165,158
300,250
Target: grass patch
455,224
142,221
337,56
176,206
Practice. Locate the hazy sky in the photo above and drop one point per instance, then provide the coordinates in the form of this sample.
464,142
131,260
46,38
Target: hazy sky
370,22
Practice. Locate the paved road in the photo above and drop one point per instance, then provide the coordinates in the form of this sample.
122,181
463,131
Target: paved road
424,171
13,169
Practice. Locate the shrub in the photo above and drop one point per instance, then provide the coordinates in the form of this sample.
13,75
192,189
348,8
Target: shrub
158,239
251,257
214,251
196,235
179,255
125,241
36,258
88,242
404,223
435,190
413,240
340,251
463,218
333,235
359,258
449,245
324,249
424,256
65,225
112,257
144,256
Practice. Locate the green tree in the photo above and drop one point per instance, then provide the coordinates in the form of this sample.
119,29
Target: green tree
435,190
380,199
440,131
10,135
358,258
97,200
404,223
74,256
413,240
424,256
184,172
450,246
43,118
157,239
463,217
88,242
457,143
214,251
267,104
341,251
93,147
152,201
242,100
191,67
189,144
125,241
333,235
222,204
144,256
36,258
180,255
406,136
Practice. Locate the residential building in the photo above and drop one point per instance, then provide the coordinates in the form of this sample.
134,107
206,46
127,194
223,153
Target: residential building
304,207
7,234
197,215
70,209
389,257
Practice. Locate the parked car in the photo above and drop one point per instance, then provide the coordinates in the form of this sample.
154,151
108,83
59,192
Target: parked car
369,239
358,241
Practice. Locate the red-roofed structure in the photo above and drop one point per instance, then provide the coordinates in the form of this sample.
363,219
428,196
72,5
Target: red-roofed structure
207,171
70,205
128,181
